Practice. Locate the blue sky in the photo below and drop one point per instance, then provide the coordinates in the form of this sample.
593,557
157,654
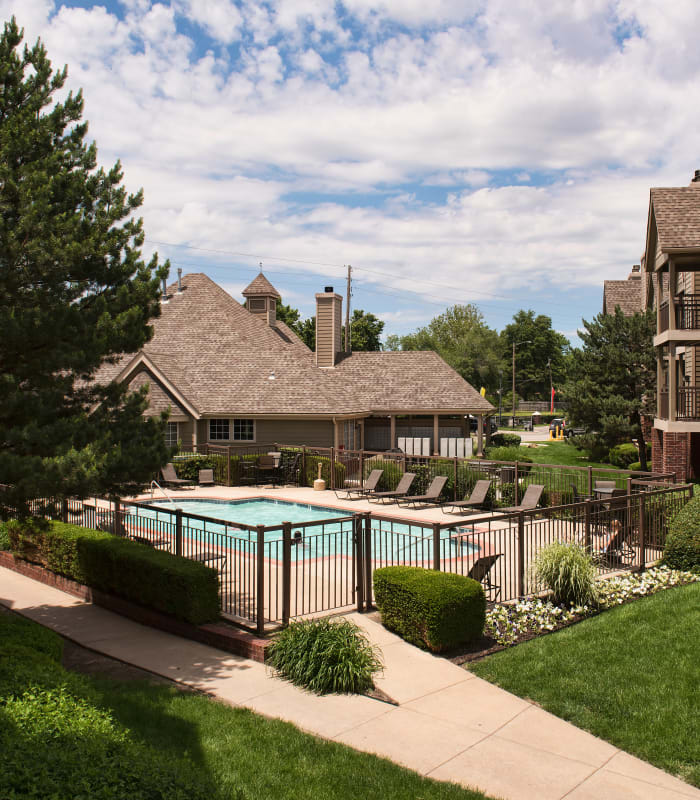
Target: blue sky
496,152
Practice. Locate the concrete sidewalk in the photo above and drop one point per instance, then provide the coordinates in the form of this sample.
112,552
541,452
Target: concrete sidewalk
449,724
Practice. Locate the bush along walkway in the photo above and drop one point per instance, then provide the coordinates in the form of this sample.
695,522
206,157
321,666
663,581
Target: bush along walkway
448,724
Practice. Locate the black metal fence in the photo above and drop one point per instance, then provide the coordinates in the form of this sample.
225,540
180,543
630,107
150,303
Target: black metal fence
270,574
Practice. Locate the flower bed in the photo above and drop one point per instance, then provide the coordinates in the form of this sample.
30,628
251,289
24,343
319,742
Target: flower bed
511,623
508,624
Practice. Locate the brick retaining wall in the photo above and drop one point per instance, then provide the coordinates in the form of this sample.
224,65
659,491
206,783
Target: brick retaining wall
219,635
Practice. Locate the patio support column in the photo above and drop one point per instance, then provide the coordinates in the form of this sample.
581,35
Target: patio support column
657,292
672,381
336,438
671,294
362,434
480,435
392,431
436,434
659,379
195,441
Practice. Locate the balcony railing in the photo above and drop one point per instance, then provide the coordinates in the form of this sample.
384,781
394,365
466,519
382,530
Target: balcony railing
688,312
688,406
663,316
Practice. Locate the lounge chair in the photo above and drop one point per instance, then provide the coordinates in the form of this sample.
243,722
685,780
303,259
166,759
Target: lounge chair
400,491
290,468
614,547
430,498
357,492
170,477
108,524
530,499
206,477
481,571
477,499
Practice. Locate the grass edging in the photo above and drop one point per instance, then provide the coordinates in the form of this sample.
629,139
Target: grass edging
625,676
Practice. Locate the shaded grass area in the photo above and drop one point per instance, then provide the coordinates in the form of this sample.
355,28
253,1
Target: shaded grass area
629,676
564,454
92,736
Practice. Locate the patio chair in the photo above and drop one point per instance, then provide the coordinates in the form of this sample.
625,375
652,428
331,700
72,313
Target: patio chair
358,492
400,491
577,497
430,498
530,499
267,466
614,547
477,499
481,571
206,477
170,477
290,467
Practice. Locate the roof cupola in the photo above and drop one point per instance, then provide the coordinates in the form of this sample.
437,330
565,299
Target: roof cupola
261,298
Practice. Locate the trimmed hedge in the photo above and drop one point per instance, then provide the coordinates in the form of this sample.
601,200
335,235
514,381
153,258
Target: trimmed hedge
682,549
505,440
4,536
56,741
433,610
311,471
185,589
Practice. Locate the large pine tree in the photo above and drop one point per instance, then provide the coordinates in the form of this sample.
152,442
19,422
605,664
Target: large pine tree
74,292
613,384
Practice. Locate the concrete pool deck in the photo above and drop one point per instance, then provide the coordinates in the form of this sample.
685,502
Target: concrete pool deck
448,724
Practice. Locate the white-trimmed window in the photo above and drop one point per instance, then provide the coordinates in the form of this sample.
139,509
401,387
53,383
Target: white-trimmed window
232,430
171,437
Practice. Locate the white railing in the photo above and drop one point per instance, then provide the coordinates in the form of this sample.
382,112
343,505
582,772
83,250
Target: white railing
164,493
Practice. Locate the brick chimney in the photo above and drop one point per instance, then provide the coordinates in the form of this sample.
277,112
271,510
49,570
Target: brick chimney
329,316
696,177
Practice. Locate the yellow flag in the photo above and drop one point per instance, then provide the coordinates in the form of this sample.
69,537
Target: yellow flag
483,391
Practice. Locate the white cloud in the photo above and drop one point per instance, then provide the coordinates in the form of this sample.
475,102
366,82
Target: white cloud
596,96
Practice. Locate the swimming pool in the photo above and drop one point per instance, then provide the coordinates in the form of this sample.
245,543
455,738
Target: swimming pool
391,541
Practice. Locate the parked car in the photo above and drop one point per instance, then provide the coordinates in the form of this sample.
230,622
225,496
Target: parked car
558,424
493,422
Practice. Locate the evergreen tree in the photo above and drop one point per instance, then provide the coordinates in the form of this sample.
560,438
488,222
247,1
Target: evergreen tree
74,293
614,382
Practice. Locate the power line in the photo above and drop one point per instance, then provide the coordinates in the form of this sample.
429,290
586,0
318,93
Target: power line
279,259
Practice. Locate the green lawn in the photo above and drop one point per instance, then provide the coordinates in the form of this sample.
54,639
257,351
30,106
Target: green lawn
562,453
65,735
630,676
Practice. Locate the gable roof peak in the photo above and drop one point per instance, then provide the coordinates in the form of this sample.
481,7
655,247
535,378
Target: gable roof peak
260,287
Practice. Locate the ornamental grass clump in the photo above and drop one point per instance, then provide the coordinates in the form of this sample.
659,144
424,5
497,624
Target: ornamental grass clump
325,656
568,572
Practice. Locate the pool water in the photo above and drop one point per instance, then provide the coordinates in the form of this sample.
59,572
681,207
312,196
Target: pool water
397,541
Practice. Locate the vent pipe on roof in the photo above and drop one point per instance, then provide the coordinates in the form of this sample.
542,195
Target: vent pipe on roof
179,281
163,291
696,177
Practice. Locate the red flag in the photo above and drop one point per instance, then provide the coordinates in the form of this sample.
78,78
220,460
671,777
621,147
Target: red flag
551,404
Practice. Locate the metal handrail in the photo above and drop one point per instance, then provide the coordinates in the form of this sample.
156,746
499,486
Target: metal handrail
165,494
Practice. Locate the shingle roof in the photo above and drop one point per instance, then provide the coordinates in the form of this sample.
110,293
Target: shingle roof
626,294
409,381
158,399
225,360
260,286
677,214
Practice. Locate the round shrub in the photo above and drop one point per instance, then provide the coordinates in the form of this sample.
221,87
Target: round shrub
622,455
505,440
682,549
325,656
568,572
433,610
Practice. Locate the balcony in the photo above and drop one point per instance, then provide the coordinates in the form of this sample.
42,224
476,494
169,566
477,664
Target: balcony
685,320
688,312
687,404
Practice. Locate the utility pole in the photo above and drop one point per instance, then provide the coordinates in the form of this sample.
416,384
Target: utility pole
347,313
513,383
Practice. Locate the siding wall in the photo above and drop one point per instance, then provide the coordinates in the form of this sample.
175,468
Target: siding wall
315,433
